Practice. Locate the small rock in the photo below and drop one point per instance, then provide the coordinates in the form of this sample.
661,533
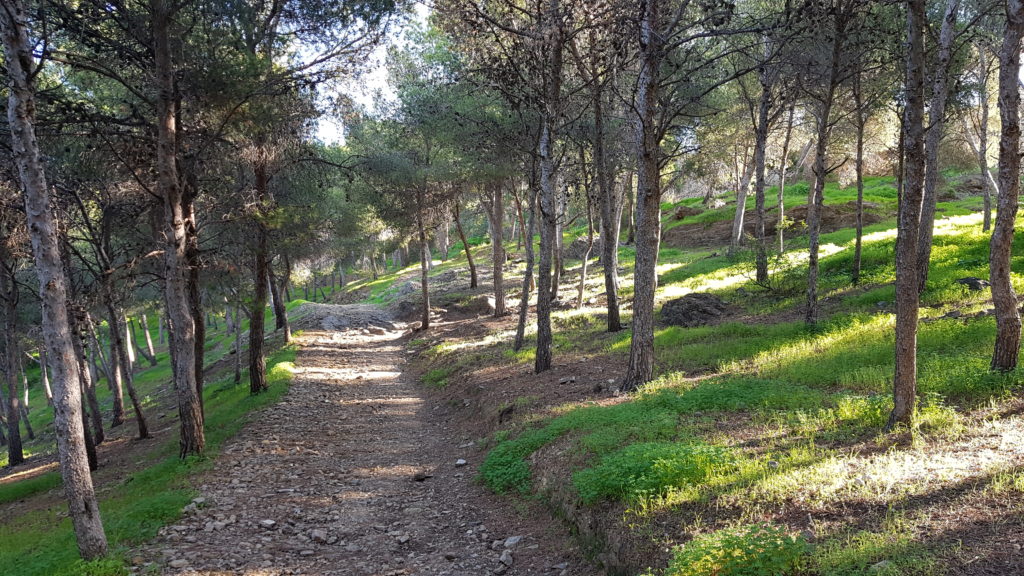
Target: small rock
403,539
353,548
567,380
506,558
460,462
773,464
138,560
513,541
319,536
450,557
178,563
268,524
306,553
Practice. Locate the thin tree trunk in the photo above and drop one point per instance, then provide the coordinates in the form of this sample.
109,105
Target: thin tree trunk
816,196
764,119
424,263
180,321
43,230
257,315
12,408
860,120
44,376
524,299
85,381
907,298
465,246
280,310
498,249
784,165
742,191
238,344
586,255
24,402
149,340
161,335
982,151
640,368
120,357
933,138
548,229
88,379
1008,322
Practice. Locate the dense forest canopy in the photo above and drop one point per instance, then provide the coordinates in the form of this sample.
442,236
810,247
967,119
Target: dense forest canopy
166,175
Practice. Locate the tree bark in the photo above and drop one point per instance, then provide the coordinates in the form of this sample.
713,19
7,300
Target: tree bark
149,340
44,376
181,323
742,191
908,233
783,169
764,119
640,368
1008,322
121,359
933,138
586,254
43,230
816,196
465,246
860,120
498,247
257,316
88,378
280,310
424,260
12,407
524,298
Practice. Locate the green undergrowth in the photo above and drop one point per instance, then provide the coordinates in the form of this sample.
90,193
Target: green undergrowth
41,543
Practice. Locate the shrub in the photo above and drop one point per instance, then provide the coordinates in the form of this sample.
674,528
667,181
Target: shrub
751,550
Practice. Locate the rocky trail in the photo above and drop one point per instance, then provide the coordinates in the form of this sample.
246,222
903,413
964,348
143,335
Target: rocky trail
350,475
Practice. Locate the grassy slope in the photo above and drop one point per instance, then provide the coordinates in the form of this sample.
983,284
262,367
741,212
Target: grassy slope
41,543
805,405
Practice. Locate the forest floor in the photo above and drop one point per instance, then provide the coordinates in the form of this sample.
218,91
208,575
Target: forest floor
352,473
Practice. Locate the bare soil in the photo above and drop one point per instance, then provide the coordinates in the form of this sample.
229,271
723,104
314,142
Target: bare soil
355,473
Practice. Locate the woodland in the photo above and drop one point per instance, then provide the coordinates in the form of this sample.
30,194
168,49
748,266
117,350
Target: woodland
652,288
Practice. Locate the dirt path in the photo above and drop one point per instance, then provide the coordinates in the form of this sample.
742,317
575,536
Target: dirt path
331,481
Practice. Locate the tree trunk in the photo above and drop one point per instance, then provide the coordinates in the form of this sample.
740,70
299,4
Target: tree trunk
1008,323
10,359
161,335
181,323
859,120
816,196
640,368
548,217
121,358
88,378
586,255
524,298
783,168
424,263
44,376
238,344
24,401
92,413
764,118
280,310
257,315
982,151
742,191
610,200
933,138
149,340
498,248
43,230
465,246
908,234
